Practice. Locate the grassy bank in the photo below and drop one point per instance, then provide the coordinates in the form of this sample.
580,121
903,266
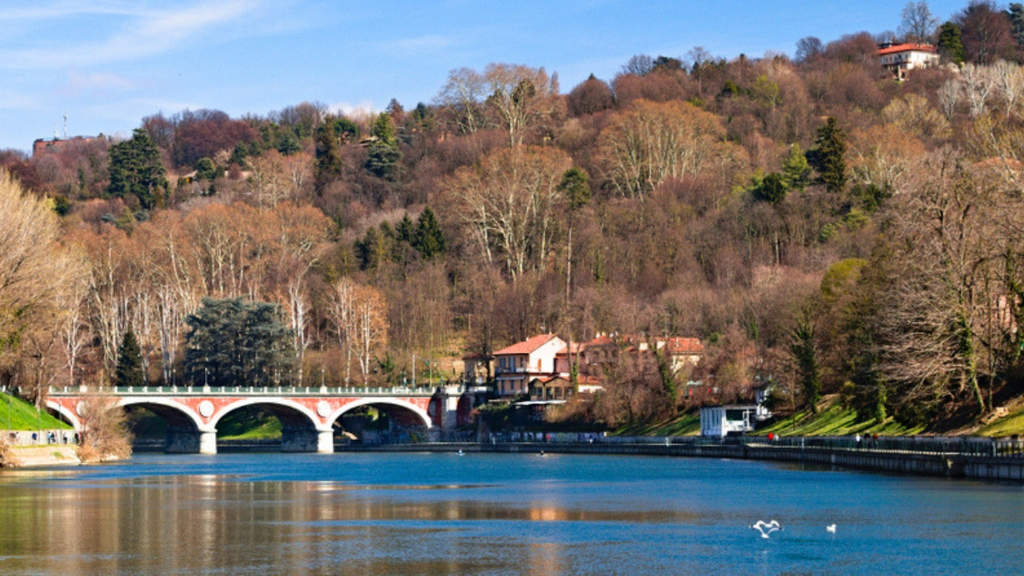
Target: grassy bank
17,414
249,424
687,424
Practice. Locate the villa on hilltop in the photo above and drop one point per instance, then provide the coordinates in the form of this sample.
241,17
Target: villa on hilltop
898,59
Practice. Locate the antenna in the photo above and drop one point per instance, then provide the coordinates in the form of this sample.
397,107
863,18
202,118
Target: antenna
65,125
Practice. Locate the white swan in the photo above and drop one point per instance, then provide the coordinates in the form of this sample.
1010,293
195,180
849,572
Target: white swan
831,528
766,528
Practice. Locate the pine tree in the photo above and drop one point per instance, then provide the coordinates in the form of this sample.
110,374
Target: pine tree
129,362
576,186
805,354
234,342
796,172
429,238
830,156
383,154
136,170
951,43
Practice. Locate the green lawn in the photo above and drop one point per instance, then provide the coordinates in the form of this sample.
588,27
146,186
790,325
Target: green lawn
249,424
1006,426
834,420
17,414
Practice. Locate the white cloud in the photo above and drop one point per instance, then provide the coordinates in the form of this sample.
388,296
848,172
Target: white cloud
97,82
145,34
420,44
57,10
16,101
362,109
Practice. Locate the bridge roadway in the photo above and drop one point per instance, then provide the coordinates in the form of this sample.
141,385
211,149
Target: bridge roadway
307,413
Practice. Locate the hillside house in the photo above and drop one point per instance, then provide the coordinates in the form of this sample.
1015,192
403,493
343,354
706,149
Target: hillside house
518,364
898,59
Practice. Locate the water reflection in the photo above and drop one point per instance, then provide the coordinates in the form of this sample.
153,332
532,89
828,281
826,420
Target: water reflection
188,524
558,517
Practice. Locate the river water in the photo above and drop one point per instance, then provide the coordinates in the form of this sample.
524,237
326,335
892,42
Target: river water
267,514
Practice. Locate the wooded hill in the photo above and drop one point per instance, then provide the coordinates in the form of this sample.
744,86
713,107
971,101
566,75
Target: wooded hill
816,223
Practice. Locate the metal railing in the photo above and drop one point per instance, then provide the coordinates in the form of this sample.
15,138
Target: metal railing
934,445
247,390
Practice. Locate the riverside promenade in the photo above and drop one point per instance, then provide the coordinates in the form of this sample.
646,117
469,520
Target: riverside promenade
966,457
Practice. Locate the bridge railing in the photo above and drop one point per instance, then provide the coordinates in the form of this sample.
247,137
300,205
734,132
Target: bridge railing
248,390
975,446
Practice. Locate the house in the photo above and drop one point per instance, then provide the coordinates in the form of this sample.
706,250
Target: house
727,420
551,388
518,364
898,59
559,387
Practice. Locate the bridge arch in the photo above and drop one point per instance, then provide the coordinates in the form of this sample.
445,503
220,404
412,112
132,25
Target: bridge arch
291,406
68,415
419,412
174,412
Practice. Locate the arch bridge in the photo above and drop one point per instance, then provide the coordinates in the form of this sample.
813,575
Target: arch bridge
307,414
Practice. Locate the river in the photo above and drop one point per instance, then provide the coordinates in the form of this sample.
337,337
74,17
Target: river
367,513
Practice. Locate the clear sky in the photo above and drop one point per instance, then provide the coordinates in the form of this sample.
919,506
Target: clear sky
108,63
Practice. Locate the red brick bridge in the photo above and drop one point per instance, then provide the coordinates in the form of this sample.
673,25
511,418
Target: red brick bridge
307,414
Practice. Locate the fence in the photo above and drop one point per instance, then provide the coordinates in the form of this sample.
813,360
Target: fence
937,445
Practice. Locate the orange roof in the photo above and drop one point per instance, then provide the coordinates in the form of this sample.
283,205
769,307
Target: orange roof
907,47
678,345
526,346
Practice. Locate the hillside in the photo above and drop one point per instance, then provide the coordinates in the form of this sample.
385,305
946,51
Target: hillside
821,225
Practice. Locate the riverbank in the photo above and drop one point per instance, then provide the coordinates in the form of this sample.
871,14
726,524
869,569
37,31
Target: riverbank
976,465
39,455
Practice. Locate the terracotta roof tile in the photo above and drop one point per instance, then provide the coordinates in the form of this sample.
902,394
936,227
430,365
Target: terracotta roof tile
895,48
526,346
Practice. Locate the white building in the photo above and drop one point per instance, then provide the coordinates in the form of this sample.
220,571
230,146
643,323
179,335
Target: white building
721,421
518,364
900,58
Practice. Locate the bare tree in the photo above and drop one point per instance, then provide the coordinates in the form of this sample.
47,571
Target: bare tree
510,202
463,95
521,97
918,24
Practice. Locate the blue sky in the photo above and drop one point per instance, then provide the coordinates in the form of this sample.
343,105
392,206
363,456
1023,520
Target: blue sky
108,63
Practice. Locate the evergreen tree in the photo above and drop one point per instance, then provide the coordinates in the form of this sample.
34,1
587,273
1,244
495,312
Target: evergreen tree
234,342
129,362
805,355
830,156
405,231
136,170
383,153
951,43
796,172
772,188
1015,13
576,186
429,238
328,154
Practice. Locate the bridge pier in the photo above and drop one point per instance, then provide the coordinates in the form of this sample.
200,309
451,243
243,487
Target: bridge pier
325,441
184,441
208,442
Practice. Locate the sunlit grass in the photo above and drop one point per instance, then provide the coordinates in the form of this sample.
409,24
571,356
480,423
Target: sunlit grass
1006,426
257,426
835,420
687,424
17,414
